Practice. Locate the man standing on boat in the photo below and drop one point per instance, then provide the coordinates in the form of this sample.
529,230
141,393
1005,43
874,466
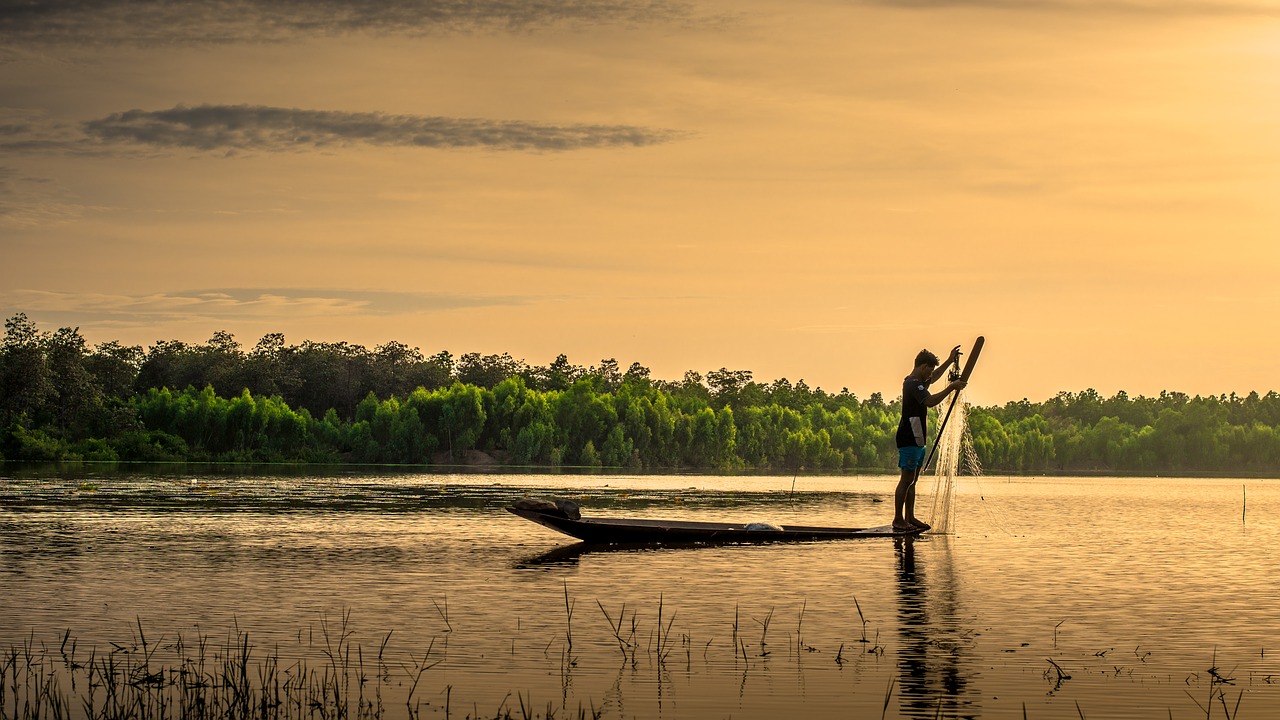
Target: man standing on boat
916,401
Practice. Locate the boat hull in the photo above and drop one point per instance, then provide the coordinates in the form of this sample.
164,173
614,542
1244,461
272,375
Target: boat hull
632,531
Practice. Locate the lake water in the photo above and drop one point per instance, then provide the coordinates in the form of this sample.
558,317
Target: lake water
1146,592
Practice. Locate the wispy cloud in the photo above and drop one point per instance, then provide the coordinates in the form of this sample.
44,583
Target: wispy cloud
237,304
28,130
230,129
255,127
167,22
30,200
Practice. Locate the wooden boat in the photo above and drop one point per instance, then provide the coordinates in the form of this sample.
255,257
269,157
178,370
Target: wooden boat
633,531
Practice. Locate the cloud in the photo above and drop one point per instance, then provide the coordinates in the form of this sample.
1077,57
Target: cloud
168,22
229,129
236,304
260,128
25,130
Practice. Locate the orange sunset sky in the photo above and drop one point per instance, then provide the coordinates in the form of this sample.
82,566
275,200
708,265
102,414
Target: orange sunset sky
800,188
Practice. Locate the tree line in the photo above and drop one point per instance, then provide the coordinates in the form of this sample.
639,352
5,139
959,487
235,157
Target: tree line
62,400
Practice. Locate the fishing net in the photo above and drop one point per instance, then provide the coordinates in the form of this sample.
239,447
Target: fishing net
955,455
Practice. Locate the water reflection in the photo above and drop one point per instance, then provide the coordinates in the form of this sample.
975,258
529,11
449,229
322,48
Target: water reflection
571,555
934,678
568,555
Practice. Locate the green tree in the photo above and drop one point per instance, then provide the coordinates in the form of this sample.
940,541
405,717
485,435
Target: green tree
76,395
26,384
582,415
618,449
487,371
114,368
726,385
559,375
461,419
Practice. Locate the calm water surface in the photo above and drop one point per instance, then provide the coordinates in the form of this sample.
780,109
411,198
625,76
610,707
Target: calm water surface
1135,587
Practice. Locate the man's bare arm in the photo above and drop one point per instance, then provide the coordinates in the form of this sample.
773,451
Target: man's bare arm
936,398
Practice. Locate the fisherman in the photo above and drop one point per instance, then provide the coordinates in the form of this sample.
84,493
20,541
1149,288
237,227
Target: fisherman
916,401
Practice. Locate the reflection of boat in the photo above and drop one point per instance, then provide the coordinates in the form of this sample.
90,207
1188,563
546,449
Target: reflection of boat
571,554
639,531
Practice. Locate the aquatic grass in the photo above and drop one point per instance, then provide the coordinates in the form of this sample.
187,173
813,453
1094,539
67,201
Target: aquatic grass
764,631
1216,692
888,696
1062,675
664,634
201,676
443,612
150,678
876,648
420,667
527,710
568,618
800,644
234,679
734,638
863,619
625,645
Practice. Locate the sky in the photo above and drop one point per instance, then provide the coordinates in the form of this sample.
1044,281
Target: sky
808,189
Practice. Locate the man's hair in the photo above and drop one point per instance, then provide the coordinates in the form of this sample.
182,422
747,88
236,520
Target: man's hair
926,358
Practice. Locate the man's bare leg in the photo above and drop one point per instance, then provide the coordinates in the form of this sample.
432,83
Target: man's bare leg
904,501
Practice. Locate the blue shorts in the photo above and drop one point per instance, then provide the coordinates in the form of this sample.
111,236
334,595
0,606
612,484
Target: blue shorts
911,458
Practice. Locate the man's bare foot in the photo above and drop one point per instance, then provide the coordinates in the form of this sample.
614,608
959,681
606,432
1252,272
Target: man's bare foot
903,526
920,524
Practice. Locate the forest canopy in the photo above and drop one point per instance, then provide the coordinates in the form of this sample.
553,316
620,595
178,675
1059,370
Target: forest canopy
62,400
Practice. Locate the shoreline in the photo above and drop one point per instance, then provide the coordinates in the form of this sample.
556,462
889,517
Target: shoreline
489,466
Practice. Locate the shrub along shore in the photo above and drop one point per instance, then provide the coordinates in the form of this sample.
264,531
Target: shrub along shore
61,400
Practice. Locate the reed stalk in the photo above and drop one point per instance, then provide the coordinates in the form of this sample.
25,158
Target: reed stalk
764,631
568,617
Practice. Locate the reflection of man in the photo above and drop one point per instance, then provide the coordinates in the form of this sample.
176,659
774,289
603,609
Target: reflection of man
932,671
916,401
914,631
